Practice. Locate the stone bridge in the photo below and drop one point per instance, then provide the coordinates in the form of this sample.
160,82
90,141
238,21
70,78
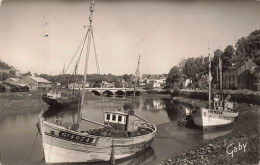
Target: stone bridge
113,91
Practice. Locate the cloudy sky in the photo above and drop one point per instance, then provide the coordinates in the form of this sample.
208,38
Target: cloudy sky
171,30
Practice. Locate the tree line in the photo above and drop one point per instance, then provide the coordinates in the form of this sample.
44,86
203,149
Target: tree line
195,68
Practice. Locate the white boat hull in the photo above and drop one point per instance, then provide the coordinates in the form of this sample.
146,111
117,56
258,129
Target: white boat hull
54,154
207,119
60,145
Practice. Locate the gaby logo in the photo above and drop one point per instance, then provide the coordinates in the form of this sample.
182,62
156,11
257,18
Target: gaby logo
231,149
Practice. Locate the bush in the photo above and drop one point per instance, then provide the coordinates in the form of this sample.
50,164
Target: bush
175,91
240,96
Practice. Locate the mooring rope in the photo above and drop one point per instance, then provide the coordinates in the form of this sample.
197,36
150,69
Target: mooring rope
29,151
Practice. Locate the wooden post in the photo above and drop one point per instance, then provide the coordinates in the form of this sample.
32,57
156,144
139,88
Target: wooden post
112,157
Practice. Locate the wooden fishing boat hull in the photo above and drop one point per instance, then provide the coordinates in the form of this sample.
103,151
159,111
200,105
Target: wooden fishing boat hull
63,145
207,119
60,102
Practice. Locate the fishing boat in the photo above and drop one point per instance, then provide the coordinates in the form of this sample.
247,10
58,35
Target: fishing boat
121,135
222,113
61,98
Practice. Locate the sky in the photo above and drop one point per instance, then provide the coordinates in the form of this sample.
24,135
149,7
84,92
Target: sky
42,35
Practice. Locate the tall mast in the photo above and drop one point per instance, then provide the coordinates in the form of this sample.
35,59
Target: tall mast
220,75
137,72
137,75
86,61
63,69
209,78
217,77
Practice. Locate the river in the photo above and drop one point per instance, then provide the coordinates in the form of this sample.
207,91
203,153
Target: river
20,144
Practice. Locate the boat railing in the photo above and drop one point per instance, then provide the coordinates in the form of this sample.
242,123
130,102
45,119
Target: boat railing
94,122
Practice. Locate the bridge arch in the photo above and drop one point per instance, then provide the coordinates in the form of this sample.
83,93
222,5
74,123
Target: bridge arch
108,93
129,93
95,92
120,92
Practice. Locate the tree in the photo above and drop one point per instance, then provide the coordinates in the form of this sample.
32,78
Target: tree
226,57
192,68
174,77
127,78
28,73
215,64
247,47
117,82
253,47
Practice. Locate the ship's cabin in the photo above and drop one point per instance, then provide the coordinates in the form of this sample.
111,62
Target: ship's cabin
60,94
117,120
123,124
222,104
218,103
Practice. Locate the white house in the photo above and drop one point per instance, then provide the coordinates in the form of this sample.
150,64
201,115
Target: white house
106,84
78,85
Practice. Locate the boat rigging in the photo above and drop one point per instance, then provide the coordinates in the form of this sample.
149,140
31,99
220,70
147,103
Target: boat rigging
122,134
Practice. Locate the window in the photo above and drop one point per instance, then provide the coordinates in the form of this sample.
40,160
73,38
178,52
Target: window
114,117
108,116
119,118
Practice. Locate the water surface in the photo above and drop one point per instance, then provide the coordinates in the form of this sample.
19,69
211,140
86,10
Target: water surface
21,145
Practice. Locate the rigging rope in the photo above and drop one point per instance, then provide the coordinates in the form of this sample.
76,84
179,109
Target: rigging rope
77,63
97,64
76,53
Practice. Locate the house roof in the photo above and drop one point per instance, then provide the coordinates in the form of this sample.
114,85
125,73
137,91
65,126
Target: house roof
256,70
14,79
40,79
237,66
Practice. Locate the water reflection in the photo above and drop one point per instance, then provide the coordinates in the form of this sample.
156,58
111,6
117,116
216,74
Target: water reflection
146,156
153,105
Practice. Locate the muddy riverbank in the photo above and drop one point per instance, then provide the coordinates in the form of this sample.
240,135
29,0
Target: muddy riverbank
21,102
238,147
18,102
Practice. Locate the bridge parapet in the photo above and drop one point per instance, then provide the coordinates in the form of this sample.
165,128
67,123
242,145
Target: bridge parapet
111,91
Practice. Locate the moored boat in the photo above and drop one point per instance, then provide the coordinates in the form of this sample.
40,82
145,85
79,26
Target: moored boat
222,113
61,98
122,134
210,118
